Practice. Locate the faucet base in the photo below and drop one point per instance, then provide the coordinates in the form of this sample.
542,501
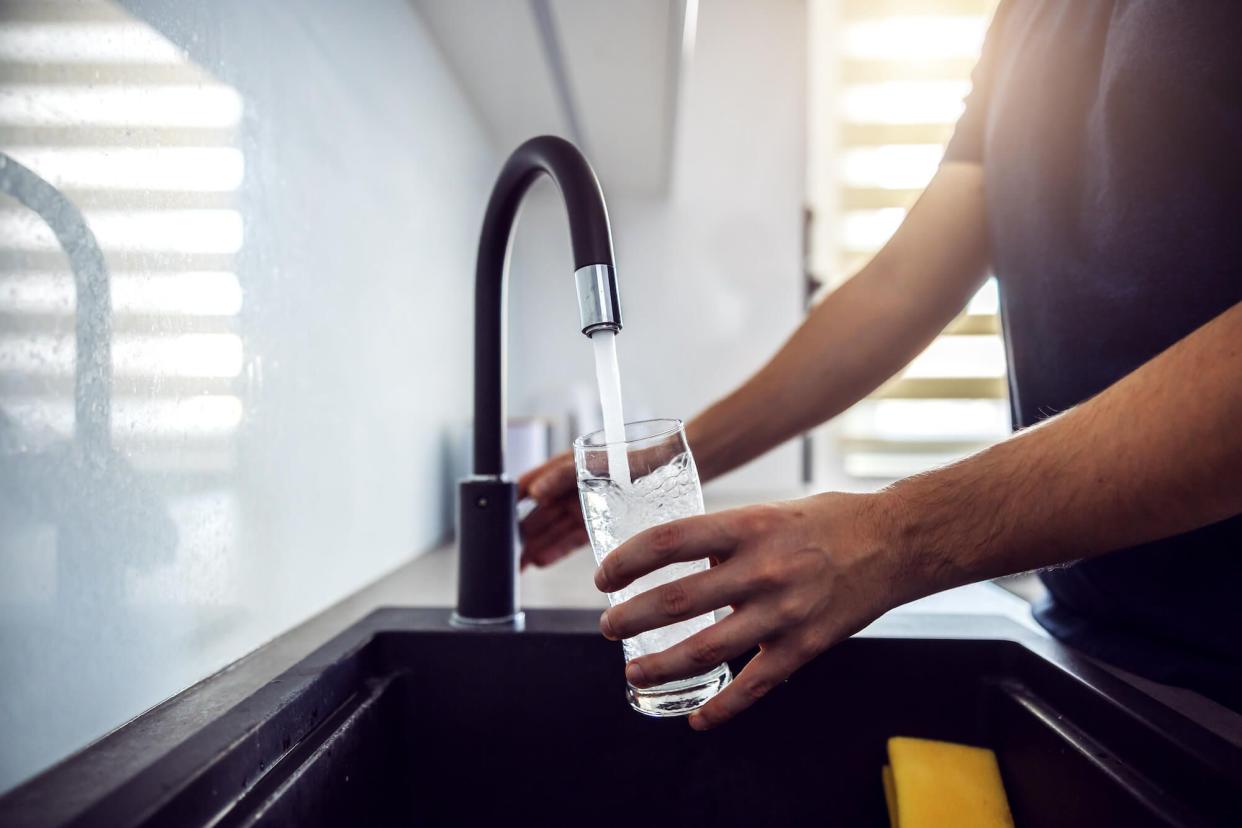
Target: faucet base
487,563
515,622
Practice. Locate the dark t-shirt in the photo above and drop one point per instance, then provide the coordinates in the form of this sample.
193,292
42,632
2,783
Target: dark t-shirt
1111,139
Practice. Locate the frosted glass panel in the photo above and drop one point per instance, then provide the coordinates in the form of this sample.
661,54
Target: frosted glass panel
225,404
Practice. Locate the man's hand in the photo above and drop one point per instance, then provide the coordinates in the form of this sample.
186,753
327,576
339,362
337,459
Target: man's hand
800,575
554,527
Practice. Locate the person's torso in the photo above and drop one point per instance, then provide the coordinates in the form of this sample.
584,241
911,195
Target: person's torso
1113,170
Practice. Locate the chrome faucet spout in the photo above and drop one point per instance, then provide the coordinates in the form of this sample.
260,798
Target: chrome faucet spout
599,303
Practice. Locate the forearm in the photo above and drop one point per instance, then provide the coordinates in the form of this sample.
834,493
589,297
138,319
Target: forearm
863,332
1156,454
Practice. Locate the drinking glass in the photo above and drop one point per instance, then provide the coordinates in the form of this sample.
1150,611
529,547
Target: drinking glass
664,486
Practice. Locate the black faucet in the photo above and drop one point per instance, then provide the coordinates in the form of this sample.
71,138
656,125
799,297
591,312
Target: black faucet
487,508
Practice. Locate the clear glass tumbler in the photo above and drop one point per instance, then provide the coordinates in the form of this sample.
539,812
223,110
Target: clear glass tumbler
664,486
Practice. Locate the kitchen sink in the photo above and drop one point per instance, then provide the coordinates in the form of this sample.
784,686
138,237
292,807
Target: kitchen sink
404,719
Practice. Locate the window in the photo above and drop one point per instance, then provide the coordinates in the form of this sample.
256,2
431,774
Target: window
887,80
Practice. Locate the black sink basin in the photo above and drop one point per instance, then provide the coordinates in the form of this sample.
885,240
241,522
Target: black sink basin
404,720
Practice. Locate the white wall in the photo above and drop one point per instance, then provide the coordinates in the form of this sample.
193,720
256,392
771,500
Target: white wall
711,275
365,173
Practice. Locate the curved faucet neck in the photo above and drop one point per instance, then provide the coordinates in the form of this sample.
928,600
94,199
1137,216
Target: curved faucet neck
591,238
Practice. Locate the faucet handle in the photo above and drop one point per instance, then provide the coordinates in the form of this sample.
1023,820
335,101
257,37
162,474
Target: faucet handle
599,303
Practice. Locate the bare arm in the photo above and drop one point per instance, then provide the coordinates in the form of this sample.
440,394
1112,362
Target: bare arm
853,341
1156,454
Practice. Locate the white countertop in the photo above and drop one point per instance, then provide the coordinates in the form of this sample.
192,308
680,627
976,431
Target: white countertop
431,581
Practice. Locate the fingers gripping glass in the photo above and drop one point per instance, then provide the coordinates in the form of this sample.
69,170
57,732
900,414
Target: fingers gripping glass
664,486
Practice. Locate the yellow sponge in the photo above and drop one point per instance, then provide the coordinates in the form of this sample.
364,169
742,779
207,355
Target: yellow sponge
936,784
890,795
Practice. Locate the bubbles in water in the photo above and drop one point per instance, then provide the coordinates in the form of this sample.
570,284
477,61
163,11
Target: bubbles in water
615,513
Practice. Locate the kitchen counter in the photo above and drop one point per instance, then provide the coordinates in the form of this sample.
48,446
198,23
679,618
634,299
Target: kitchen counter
382,725
429,580
396,720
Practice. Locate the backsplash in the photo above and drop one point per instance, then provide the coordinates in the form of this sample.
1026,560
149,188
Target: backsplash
240,409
